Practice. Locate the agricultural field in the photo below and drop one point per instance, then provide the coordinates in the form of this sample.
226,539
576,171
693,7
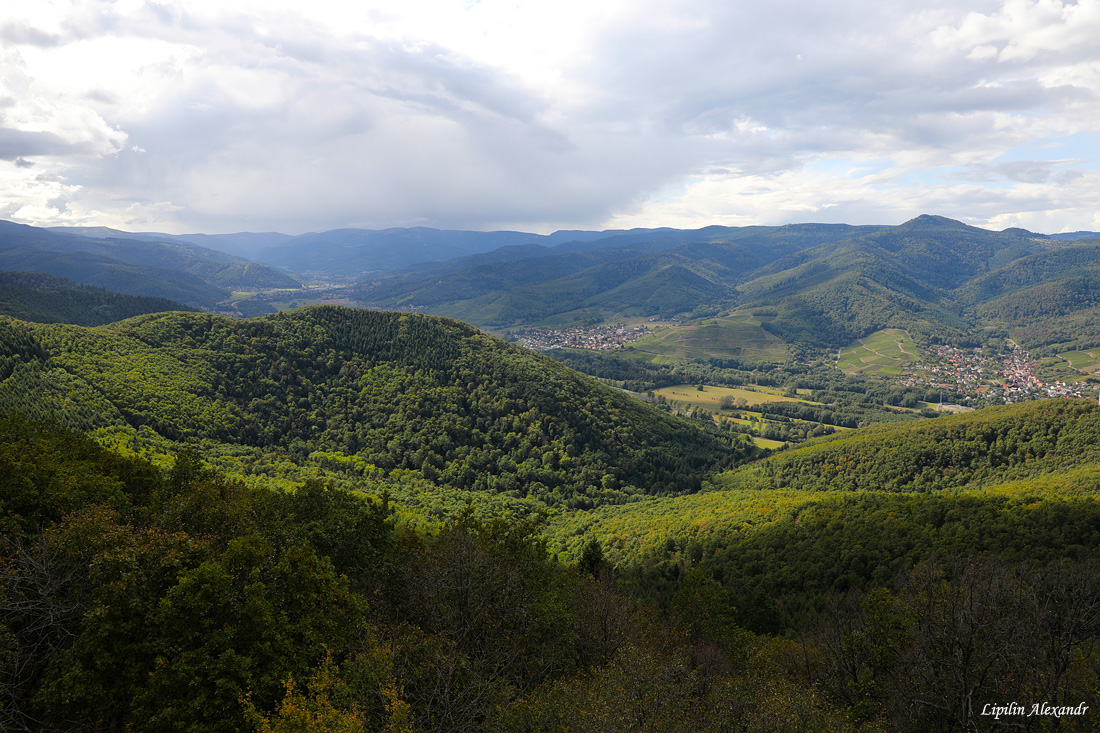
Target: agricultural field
738,336
1083,361
883,352
710,397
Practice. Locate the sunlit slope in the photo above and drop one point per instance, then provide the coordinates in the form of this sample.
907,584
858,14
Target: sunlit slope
739,335
1049,448
883,352
995,445
861,509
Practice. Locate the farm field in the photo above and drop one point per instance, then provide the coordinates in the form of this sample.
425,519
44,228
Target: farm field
738,335
1083,361
883,352
710,397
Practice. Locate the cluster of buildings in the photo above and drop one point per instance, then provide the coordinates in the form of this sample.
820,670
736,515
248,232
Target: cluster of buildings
1010,376
581,337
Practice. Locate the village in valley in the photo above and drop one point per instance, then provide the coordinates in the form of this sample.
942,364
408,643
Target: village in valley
975,374
1010,376
598,338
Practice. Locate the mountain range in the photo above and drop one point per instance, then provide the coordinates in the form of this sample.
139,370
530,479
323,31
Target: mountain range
819,285
347,254
177,270
435,530
825,285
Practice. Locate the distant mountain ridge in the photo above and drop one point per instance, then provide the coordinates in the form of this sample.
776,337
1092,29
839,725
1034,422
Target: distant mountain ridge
241,244
178,270
827,284
32,296
659,271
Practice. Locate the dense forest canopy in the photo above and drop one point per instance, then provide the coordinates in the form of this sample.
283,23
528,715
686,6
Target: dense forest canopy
176,599
33,296
397,391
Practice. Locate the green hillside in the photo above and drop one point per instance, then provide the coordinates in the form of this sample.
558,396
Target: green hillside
1047,301
1068,262
470,282
147,599
86,268
936,278
883,352
662,272
852,305
42,298
995,445
179,271
1023,455
352,520
805,591
901,277
661,284
865,546
398,392
738,335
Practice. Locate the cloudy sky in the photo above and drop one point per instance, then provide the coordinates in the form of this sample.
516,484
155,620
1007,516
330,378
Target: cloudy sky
292,116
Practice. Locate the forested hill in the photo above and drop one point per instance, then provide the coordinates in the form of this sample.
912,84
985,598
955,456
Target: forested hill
992,446
663,271
181,271
790,536
397,391
33,296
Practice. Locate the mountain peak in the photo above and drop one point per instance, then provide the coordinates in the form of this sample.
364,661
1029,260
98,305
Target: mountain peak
927,221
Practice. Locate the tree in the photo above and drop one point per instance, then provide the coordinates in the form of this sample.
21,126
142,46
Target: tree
592,561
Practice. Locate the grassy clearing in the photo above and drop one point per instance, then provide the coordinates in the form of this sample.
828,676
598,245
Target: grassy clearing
767,443
710,397
736,336
883,352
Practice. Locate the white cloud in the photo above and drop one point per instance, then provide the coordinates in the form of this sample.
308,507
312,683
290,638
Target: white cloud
203,115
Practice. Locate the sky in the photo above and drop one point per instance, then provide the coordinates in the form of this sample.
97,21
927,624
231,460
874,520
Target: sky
283,115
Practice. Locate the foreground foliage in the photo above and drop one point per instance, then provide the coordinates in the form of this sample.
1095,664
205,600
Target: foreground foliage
180,601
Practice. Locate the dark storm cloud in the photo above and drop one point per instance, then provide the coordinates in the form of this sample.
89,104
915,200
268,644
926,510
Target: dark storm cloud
19,144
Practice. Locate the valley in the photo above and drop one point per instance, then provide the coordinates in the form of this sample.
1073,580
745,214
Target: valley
708,479
528,367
